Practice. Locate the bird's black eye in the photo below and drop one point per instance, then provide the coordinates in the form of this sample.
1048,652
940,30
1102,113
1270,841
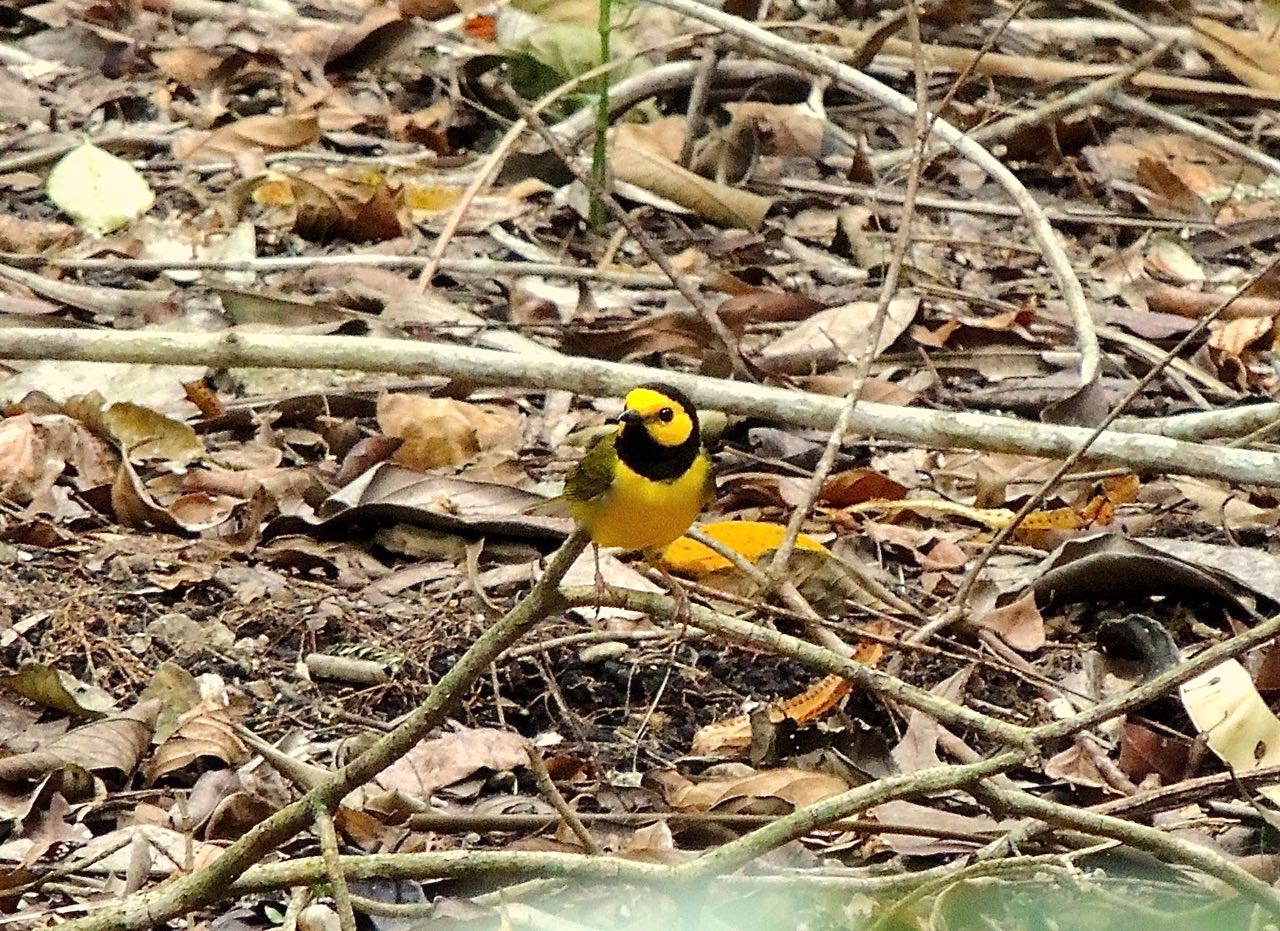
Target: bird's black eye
666,415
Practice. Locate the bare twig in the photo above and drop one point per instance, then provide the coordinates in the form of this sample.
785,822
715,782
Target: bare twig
333,868
548,788
888,290
463,268
1045,112
1165,846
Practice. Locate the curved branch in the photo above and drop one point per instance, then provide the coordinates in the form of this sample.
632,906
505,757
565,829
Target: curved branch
802,57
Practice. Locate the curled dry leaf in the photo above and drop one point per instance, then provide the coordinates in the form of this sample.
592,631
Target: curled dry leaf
50,688
1019,623
1252,57
324,205
390,493
207,730
377,38
441,761
769,792
114,743
720,203
147,434
838,334
439,432
35,452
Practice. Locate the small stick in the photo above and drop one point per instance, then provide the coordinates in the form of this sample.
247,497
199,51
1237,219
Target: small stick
547,786
333,867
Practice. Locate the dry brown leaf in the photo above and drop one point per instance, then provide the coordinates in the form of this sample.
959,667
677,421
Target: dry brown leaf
429,9
1251,57
787,130
206,730
441,432
1019,623
854,486
838,334
719,203
114,743
1234,337
50,688
32,237
377,38
194,67
759,793
1172,193
253,134
36,451
327,204
147,434
441,761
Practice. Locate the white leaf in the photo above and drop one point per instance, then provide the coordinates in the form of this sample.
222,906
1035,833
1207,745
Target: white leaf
98,190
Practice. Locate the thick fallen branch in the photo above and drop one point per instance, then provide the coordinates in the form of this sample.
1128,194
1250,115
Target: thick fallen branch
937,429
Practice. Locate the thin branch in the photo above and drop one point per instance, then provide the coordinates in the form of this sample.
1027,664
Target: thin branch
462,268
742,851
1047,112
330,855
1165,846
548,788
888,290
814,657
153,908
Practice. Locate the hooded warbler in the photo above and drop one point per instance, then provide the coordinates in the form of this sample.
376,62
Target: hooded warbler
641,486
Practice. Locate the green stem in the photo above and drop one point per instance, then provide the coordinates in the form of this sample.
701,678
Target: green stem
599,153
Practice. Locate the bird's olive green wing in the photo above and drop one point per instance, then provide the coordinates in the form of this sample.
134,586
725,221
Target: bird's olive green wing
593,476
711,490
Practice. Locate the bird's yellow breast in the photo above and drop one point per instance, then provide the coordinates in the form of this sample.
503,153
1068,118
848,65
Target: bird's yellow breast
639,513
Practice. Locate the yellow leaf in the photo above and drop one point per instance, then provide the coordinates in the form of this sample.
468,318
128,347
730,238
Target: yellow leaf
1234,720
748,538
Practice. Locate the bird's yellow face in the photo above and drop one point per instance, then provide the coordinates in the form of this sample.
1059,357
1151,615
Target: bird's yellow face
663,418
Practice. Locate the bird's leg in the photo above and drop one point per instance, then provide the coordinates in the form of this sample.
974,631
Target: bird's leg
684,608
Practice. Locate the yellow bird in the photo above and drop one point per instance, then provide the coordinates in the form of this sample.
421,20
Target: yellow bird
640,487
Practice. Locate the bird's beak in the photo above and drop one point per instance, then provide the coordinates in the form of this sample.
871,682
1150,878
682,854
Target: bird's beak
630,416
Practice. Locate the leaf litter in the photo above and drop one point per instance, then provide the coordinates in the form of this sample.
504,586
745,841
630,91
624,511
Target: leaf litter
195,563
